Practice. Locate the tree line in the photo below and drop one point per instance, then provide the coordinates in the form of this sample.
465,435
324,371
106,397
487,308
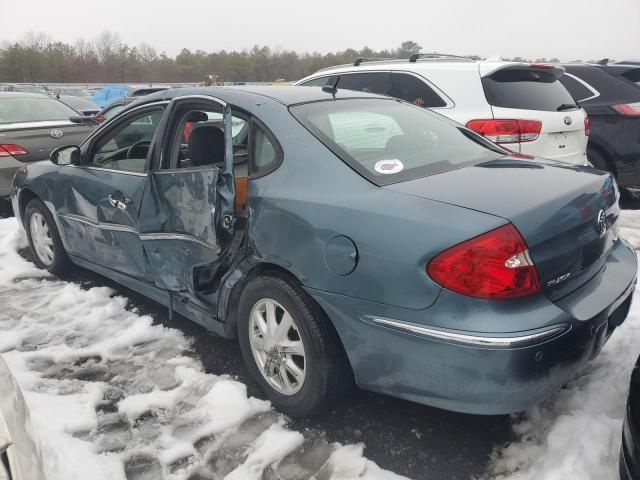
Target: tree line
106,59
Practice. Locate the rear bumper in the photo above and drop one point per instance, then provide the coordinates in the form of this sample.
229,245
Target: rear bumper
8,168
498,374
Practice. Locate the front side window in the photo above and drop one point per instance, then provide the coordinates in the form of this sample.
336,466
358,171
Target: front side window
387,141
125,148
416,91
527,89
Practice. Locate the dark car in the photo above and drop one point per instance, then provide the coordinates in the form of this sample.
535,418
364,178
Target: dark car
31,125
630,450
80,104
338,234
612,102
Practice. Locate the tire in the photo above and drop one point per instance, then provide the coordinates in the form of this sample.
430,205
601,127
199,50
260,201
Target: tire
327,372
37,213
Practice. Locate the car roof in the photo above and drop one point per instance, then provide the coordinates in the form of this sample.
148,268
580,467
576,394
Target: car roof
245,96
484,67
23,95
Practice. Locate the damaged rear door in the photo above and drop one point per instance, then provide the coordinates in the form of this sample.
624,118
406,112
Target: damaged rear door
186,216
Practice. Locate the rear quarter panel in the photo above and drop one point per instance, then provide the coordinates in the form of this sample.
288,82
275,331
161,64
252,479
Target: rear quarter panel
313,197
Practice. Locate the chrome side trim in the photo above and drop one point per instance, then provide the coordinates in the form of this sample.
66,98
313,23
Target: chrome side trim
177,236
100,225
111,170
142,236
518,341
585,85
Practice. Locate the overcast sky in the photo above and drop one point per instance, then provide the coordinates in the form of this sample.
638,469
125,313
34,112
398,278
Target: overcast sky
567,29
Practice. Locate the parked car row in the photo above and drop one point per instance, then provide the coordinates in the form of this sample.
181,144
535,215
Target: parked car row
574,113
287,218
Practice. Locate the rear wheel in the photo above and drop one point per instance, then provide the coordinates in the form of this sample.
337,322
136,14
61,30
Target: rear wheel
289,347
44,239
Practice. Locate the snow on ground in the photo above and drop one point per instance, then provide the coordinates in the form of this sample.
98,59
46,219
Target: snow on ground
115,397
576,434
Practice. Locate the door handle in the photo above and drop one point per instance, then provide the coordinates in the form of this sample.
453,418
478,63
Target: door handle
116,203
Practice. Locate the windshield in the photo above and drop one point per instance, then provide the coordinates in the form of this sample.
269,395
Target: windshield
527,89
29,109
388,141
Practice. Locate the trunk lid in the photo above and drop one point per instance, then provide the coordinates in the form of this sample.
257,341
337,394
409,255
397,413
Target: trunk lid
39,138
560,210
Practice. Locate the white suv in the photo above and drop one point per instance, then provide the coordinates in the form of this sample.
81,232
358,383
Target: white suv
520,106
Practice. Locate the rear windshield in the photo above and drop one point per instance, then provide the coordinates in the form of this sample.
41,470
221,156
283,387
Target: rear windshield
18,110
526,89
387,141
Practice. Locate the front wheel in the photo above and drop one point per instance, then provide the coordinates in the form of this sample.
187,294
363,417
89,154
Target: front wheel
289,347
44,239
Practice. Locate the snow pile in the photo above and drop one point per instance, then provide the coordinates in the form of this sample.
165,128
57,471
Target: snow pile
576,434
115,397
630,227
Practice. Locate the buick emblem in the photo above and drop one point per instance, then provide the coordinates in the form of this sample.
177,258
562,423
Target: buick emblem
601,223
568,121
56,133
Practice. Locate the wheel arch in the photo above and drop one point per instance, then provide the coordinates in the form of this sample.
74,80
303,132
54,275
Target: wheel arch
233,286
605,154
24,197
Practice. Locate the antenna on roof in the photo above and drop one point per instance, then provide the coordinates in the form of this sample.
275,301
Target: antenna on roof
332,89
604,61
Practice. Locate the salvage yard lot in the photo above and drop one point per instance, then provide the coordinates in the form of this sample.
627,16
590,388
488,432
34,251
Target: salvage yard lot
117,391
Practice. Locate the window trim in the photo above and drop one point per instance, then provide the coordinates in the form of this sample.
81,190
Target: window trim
112,125
595,92
276,146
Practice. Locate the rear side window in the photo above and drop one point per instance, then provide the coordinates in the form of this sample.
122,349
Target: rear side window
527,89
412,89
577,90
375,82
320,82
264,152
633,75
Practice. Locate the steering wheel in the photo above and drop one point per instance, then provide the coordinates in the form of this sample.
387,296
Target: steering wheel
133,151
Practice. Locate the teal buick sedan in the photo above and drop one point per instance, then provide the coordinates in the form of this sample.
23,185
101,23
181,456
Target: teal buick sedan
342,236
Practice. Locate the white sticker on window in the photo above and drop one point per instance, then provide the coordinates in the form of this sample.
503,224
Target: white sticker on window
389,167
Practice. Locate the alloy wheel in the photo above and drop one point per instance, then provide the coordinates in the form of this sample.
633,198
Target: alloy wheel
277,346
41,238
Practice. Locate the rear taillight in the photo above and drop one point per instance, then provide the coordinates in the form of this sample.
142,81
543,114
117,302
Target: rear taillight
11,150
495,265
627,109
587,126
507,131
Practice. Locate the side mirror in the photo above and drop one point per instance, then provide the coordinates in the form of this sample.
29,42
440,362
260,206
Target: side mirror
69,155
85,120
